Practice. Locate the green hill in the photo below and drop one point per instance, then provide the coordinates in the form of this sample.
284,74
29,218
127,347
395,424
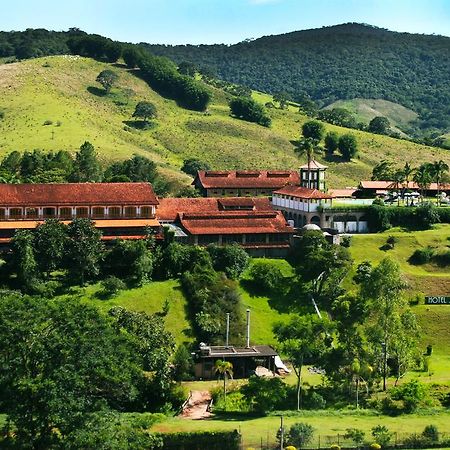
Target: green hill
366,109
337,63
62,89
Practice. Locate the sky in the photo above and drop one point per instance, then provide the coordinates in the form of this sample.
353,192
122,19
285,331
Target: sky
220,21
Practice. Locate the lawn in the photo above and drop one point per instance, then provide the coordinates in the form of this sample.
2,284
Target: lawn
149,298
326,423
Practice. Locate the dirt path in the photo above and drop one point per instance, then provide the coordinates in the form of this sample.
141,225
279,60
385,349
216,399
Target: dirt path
196,409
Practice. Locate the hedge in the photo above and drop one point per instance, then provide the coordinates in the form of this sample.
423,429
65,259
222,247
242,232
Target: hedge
202,440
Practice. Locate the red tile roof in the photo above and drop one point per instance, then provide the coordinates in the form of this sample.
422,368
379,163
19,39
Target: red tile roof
393,185
116,223
302,192
74,194
235,222
342,193
169,208
314,165
241,179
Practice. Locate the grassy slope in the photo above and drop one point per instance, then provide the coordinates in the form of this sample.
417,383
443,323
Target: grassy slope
366,109
31,93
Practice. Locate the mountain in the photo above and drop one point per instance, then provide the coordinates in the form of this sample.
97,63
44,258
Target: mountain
337,63
54,103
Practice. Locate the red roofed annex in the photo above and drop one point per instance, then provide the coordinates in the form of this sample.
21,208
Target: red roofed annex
119,209
243,183
250,222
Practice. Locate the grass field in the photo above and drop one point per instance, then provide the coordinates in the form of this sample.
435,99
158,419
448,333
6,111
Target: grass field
366,109
325,423
63,90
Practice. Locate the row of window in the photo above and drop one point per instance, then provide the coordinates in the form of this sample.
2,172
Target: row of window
311,200
97,212
238,238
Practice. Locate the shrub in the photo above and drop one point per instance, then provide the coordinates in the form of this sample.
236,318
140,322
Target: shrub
111,286
412,394
248,109
431,433
392,240
231,259
442,258
266,275
300,434
183,364
375,446
48,122
382,434
422,255
426,215
356,435
346,241
265,394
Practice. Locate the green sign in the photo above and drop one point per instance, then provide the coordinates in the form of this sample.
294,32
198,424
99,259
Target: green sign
438,300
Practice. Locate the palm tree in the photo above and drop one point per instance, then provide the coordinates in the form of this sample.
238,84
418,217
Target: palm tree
224,369
438,170
407,172
308,147
423,178
399,179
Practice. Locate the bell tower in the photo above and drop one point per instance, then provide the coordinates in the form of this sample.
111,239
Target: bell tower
313,177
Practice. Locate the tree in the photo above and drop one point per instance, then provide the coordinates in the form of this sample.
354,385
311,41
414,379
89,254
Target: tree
86,167
112,51
60,361
300,434
132,56
154,345
187,68
423,177
356,435
23,259
224,369
231,259
320,267
282,98
398,180
50,242
383,290
192,165
145,110
313,130
183,364
303,339
380,125
107,78
383,171
348,146
248,109
331,142
265,394
438,169
266,276
84,250
130,260
137,168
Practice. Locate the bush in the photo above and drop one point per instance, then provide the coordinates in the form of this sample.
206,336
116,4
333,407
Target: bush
248,109
201,440
230,259
300,434
422,255
111,286
266,275
192,165
412,394
431,433
442,258
183,364
346,241
383,436
48,122
392,240
356,435
265,394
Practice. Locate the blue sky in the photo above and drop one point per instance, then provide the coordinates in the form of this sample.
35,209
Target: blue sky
220,21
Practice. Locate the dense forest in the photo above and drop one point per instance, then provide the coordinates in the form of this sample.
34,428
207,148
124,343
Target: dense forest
339,62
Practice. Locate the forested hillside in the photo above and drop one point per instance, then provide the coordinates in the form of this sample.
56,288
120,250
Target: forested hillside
335,63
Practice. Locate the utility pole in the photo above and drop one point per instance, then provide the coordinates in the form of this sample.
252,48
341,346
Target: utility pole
281,434
383,346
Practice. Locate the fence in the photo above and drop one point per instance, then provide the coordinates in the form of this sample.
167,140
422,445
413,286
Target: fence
324,442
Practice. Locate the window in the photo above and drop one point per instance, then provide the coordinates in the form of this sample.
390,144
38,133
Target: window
255,238
98,212
32,213
207,239
82,212
65,213
231,238
130,211
146,211
49,212
2,213
15,213
114,212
